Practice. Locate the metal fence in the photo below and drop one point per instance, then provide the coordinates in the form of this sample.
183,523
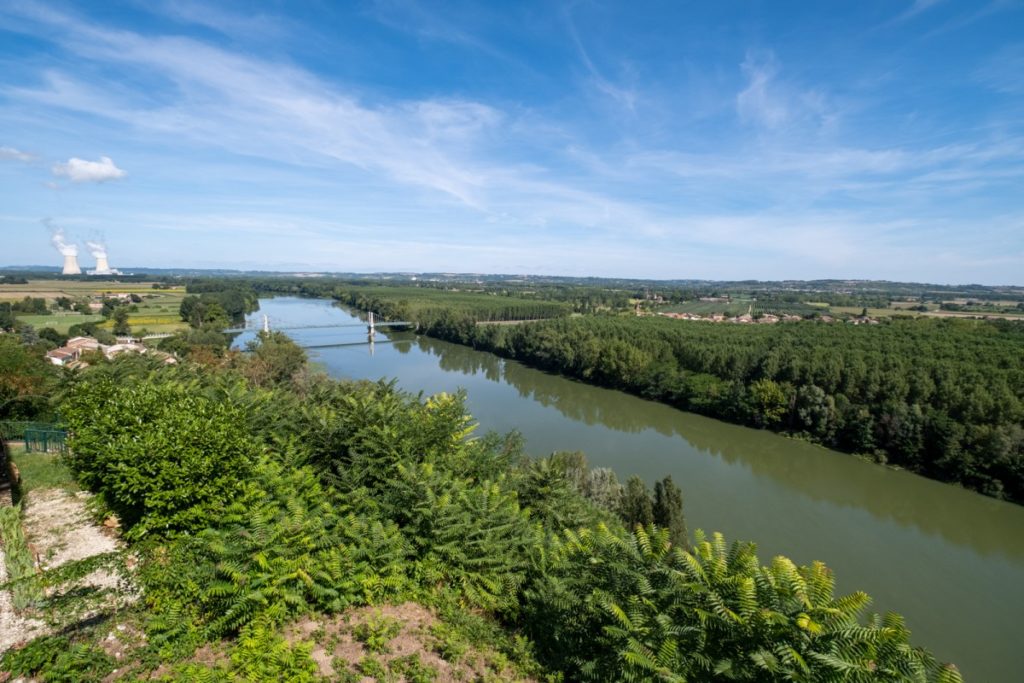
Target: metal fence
45,441
39,437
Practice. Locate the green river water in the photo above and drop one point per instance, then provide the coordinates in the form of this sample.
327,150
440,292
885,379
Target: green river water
950,560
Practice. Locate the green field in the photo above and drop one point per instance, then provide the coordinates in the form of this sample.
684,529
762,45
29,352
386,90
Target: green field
158,311
420,304
873,312
734,307
58,321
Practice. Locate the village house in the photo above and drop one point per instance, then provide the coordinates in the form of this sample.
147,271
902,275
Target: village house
62,356
71,353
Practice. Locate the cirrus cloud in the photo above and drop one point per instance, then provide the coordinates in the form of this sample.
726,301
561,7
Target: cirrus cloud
15,154
83,171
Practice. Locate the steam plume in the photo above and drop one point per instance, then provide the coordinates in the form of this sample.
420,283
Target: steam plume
97,249
58,241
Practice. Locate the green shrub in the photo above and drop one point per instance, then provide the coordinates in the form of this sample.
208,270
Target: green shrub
640,608
414,670
376,632
166,458
54,659
285,549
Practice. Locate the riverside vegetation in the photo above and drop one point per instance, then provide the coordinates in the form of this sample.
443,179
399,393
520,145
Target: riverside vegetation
254,493
942,398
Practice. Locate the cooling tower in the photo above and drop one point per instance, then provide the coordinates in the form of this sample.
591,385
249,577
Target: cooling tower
71,265
102,267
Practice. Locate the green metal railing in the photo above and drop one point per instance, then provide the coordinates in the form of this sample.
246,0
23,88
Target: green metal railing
45,441
39,437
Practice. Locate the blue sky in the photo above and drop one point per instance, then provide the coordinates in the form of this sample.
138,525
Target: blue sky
719,140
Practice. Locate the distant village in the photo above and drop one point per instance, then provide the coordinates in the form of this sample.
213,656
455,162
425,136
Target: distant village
75,353
748,318
766,318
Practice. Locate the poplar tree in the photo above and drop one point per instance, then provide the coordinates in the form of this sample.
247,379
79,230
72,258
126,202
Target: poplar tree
668,511
636,503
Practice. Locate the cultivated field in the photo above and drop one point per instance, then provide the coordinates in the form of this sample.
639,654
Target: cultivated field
734,307
58,321
158,311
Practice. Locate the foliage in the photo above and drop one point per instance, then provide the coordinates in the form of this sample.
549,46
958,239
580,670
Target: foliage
166,459
283,550
667,509
259,654
121,326
468,537
25,380
637,508
251,504
55,659
376,632
552,490
640,608
431,307
21,568
275,359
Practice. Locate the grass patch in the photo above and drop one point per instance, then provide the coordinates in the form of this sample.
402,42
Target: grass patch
58,321
734,307
42,471
18,559
873,312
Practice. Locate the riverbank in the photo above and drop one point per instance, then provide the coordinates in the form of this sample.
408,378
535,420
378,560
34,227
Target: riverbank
936,398
874,526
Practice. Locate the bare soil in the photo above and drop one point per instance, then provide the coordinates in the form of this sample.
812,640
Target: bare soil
59,530
337,648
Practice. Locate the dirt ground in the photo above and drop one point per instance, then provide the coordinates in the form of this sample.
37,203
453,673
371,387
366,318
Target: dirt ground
411,636
14,628
59,530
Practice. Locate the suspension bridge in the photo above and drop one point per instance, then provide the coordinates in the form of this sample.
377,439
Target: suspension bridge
371,325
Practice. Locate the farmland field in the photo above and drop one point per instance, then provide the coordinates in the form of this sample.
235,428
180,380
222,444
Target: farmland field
158,311
58,321
734,307
873,312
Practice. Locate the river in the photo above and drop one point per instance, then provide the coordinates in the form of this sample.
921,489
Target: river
951,561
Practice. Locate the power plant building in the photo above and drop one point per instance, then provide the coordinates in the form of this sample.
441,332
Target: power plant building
71,265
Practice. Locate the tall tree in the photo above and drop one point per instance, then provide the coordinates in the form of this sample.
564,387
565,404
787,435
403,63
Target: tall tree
636,503
668,511
121,325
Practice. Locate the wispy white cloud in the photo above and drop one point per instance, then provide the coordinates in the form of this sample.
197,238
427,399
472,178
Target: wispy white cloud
768,101
625,97
254,25
413,17
757,102
13,154
83,171
917,7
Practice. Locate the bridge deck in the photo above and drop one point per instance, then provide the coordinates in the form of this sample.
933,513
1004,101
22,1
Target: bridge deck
257,328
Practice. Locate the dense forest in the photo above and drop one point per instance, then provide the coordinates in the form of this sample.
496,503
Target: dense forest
255,494
944,398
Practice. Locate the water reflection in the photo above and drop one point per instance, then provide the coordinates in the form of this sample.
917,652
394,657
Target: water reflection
961,517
